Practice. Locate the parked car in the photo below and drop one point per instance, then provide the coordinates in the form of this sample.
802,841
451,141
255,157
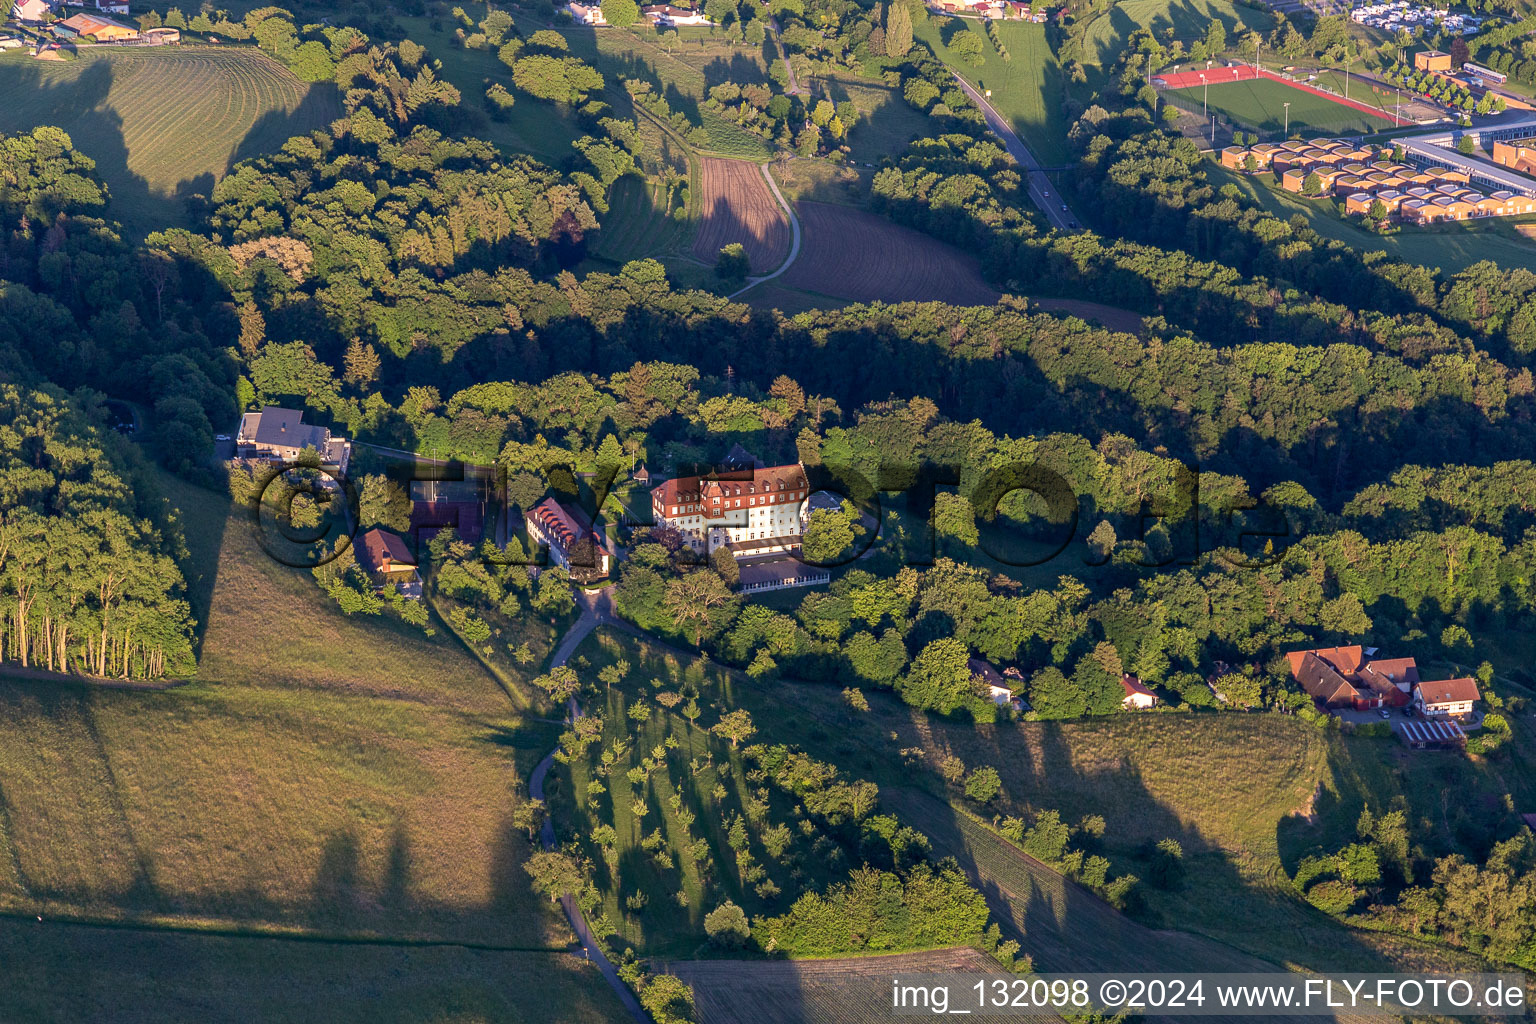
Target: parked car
221,437
1384,713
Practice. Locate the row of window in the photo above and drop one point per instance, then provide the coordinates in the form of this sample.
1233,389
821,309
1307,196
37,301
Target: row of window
678,510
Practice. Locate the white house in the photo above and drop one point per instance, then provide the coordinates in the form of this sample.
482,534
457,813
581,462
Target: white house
751,508
1137,696
997,687
31,10
586,14
665,15
1452,697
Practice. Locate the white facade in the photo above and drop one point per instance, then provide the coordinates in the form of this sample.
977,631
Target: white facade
760,512
586,14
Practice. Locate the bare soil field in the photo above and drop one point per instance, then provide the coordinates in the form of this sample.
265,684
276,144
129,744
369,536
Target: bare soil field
738,207
850,990
858,256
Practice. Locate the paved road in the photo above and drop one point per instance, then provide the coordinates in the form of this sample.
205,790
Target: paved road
597,608
1040,189
794,83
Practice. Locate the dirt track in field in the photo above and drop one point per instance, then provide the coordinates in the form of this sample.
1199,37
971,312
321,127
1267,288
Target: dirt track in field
739,208
849,254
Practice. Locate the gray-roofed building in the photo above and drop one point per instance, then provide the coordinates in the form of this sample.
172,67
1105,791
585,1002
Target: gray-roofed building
282,435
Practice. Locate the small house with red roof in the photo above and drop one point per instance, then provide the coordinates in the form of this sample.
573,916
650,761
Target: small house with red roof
1446,697
388,562
1137,696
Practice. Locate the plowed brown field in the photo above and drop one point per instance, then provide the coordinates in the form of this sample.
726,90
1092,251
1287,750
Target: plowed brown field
738,207
850,254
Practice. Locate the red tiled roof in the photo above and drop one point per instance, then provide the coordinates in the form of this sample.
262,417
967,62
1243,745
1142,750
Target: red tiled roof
1449,691
736,483
1345,661
1390,673
1320,679
1134,686
565,525
376,547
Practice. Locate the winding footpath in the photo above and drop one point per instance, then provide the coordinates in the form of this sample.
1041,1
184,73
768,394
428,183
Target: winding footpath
597,609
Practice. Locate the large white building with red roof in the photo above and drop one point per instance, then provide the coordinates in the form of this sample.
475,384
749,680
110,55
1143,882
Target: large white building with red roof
749,507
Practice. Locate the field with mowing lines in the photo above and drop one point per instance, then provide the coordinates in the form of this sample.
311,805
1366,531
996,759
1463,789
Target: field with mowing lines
162,124
1260,103
860,257
843,991
738,207
142,977
639,225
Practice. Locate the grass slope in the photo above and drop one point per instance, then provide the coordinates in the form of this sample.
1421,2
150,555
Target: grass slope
138,977
268,625
1026,90
162,124
1189,19
1260,103
266,809
1230,788
1450,247
337,775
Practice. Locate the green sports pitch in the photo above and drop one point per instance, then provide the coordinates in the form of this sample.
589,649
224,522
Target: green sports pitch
1260,104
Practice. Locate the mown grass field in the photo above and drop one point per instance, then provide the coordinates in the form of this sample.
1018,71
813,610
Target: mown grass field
1260,103
638,224
1450,247
267,809
1189,19
146,977
163,124
1026,90
326,775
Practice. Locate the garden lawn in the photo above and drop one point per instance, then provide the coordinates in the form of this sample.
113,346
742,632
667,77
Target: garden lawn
1190,20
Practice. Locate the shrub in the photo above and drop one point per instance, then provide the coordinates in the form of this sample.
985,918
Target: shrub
1333,897
983,784
727,926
